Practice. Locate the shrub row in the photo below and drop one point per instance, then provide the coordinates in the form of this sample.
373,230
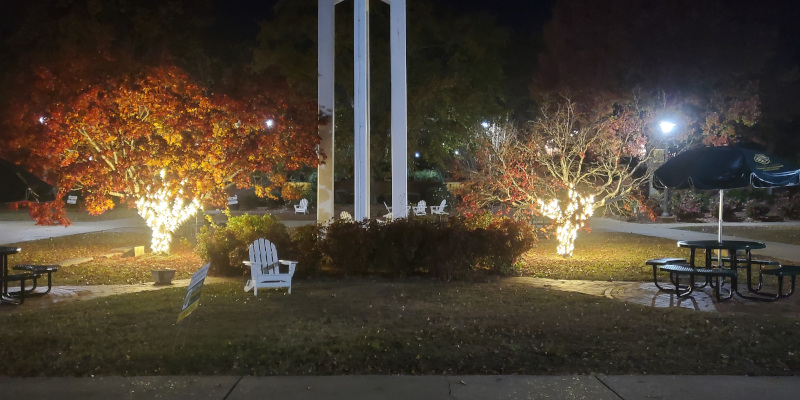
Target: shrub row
690,205
450,249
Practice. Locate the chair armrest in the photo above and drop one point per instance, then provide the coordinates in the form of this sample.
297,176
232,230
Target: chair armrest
292,265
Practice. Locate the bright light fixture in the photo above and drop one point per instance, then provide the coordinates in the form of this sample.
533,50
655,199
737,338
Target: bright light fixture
485,125
270,123
666,126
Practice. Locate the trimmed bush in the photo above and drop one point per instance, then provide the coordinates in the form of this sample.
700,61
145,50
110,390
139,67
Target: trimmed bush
225,247
756,209
447,250
306,250
789,206
730,205
689,208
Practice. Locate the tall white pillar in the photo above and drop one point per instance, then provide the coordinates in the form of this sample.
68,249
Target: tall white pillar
397,26
361,161
361,104
325,96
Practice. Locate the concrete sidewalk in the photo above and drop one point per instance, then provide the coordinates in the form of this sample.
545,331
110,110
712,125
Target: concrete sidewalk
377,387
24,231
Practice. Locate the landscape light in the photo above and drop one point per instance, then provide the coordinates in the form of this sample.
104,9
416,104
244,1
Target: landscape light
270,123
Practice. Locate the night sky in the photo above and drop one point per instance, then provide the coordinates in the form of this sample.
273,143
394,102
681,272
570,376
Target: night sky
241,18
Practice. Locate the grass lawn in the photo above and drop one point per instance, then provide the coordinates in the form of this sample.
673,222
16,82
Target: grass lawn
360,326
500,325
598,256
780,234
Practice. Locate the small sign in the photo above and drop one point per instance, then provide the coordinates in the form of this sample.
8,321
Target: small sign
72,199
192,298
233,200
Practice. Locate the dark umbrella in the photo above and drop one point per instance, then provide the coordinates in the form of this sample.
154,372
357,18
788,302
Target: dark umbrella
17,184
725,167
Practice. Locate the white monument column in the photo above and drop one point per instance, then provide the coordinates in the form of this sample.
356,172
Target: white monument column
397,27
361,161
361,105
325,67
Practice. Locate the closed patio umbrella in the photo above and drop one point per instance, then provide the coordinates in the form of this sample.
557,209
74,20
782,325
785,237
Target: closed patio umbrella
17,184
725,167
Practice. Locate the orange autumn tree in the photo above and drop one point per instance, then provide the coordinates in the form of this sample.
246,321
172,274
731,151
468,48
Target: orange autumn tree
162,144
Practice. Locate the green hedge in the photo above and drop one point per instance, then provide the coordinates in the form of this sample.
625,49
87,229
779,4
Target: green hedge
447,250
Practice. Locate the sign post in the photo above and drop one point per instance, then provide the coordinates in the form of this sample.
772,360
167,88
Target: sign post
192,298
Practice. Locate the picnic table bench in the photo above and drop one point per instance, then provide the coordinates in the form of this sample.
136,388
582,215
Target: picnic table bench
37,271
15,297
676,270
677,267
780,272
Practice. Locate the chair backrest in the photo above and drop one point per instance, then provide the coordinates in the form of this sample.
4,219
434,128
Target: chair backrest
263,251
389,209
420,208
441,206
346,216
303,203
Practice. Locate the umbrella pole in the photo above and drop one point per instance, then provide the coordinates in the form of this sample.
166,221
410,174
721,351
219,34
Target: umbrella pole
719,227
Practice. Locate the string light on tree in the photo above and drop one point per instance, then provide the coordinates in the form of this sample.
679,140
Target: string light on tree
164,212
569,219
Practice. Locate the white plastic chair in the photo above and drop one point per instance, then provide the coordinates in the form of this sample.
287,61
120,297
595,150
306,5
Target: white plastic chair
302,207
439,210
421,208
265,268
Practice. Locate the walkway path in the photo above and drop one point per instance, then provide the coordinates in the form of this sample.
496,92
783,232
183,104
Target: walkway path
782,251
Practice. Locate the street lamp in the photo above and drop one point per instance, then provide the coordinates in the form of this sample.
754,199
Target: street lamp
666,128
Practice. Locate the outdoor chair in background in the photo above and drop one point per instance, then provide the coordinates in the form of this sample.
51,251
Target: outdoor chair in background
439,210
265,268
345,216
302,207
388,215
421,208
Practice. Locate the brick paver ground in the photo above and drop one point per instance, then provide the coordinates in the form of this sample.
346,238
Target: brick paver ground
646,293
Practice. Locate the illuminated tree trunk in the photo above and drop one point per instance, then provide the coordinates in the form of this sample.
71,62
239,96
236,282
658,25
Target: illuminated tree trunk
569,217
164,213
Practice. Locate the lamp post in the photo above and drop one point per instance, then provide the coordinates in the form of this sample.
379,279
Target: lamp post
666,129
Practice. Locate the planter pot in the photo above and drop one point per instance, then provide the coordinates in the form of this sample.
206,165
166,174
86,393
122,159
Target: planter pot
163,276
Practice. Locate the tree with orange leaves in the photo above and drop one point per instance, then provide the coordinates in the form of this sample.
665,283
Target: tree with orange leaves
161,143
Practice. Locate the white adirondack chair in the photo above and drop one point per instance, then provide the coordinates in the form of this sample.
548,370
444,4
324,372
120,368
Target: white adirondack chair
439,210
389,214
345,216
421,208
302,207
265,268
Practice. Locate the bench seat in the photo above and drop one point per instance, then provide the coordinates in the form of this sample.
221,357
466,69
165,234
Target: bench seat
742,262
665,260
19,297
677,270
784,270
37,271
